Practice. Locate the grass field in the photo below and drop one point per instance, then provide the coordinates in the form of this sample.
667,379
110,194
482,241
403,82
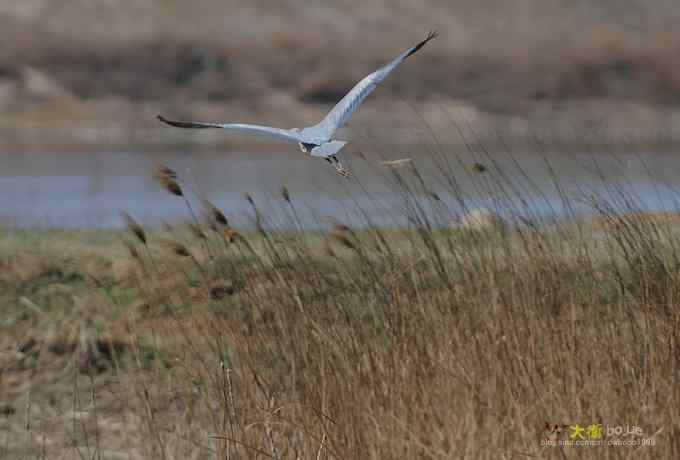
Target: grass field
430,341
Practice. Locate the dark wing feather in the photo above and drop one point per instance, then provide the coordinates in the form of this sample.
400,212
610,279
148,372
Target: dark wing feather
188,124
283,134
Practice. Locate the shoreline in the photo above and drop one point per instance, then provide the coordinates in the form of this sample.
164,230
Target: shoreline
620,126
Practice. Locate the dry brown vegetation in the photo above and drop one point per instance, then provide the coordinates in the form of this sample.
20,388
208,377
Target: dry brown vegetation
114,64
197,341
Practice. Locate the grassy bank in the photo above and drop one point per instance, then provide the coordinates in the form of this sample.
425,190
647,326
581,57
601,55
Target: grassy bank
197,341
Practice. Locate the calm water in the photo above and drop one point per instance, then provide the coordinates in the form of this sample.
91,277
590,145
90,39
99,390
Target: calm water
89,189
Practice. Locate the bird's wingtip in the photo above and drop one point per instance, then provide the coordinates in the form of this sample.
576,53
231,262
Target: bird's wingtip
176,124
430,35
169,122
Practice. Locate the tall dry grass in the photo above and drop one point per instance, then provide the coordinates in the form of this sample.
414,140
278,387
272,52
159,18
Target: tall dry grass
420,341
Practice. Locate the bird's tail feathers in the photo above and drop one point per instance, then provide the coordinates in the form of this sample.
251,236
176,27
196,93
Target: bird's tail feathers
328,149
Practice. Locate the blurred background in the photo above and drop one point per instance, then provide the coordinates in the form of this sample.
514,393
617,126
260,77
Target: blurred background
84,79
538,140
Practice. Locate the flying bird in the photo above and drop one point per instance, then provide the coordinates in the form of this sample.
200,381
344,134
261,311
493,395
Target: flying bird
318,140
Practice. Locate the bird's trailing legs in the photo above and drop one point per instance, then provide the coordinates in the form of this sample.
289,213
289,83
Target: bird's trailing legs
338,166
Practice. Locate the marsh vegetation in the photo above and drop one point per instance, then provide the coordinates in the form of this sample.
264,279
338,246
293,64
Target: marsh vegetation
460,334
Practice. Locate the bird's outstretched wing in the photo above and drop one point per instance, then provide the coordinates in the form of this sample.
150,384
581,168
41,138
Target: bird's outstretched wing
344,109
283,134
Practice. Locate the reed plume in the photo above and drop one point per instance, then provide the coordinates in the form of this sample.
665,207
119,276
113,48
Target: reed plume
197,231
478,167
132,250
164,171
231,235
216,214
285,194
176,247
341,228
171,186
167,178
134,227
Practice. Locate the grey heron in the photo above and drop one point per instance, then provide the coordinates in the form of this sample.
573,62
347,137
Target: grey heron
318,140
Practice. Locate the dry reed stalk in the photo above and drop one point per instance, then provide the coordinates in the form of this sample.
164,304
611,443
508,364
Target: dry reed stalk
176,247
343,240
165,171
231,235
134,227
341,228
197,231
343,235
171,186
132,250
165,225
167,178
478,167
400,162
216,214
